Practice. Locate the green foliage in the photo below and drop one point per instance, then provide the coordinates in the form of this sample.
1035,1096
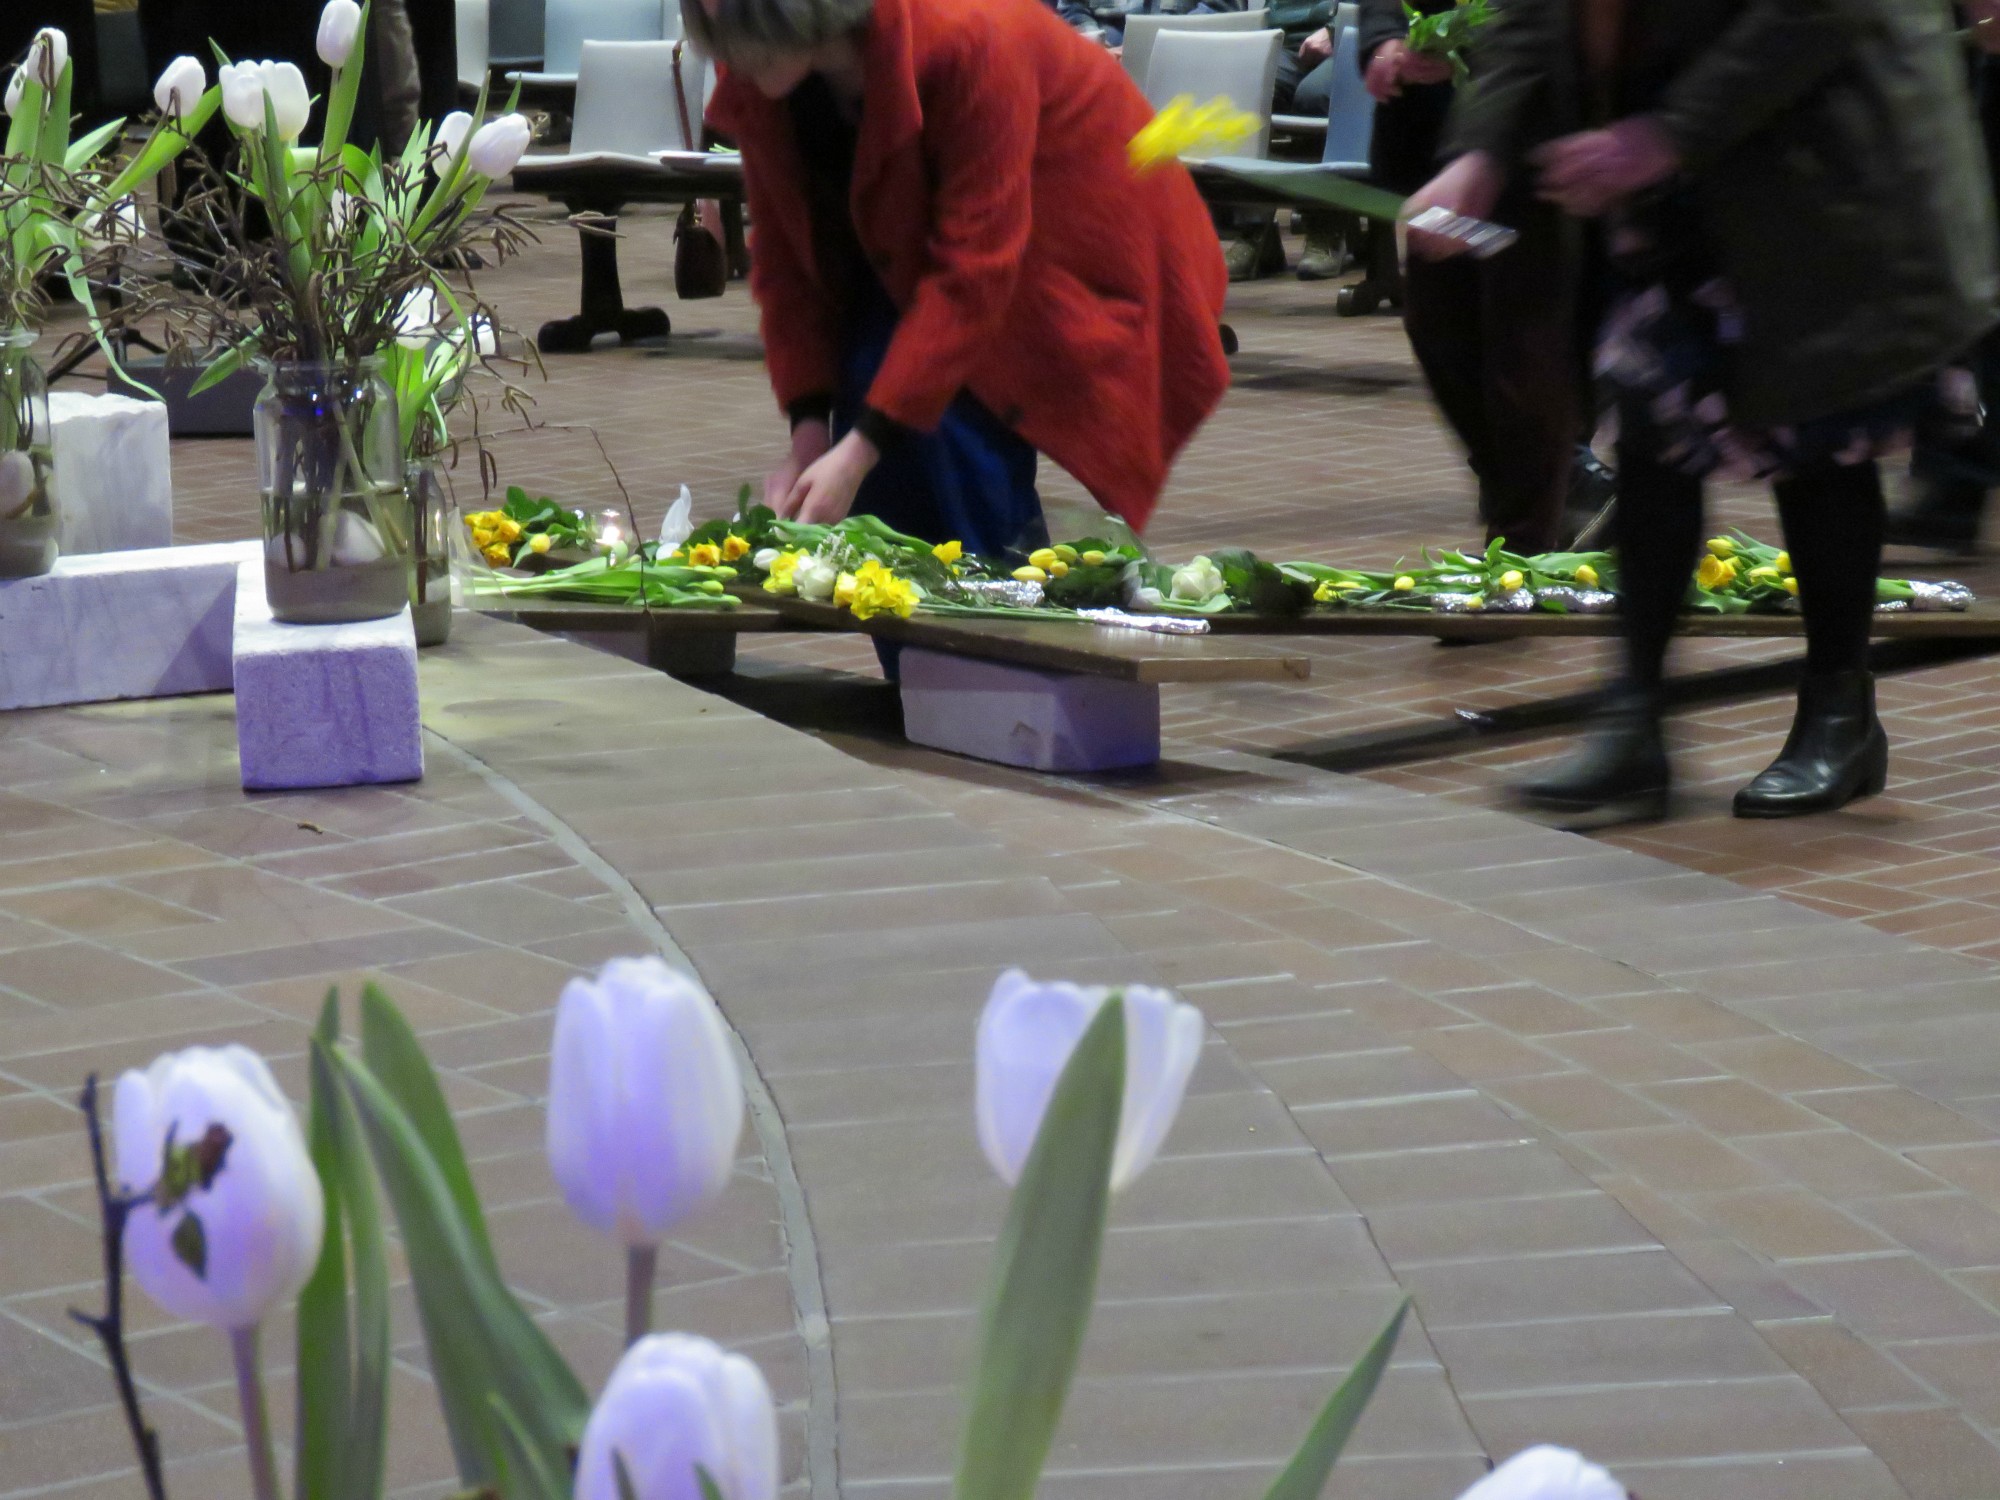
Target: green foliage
1306,1475
1448,33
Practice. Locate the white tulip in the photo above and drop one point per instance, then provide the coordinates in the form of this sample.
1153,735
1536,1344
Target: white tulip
260,1212
289,98
417,318
645,1099
678,523
339,27
180,87
1197,581
17,82
48,55
245,86
815,578
120,224
676,1401
497,145
452,131
17,481
763,558
1026,1036
1547,1473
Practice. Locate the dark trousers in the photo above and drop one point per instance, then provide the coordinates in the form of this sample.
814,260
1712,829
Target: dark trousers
1497,341
1832,518
1302,90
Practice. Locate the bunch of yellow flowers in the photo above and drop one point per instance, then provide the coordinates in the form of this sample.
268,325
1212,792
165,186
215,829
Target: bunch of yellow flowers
780,580
1184,126
872,590
494,533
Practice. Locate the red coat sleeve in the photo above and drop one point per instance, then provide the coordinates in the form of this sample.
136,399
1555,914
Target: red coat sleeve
980,119
795,314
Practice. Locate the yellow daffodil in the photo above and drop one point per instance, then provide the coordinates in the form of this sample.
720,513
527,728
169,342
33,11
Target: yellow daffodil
1093,558
1058,568
1041,557
1031,574
1792,587
734,547
1586,575
1183,127
707,555
948,552
1782,562
509,529
539,543
498,555
1721,546
1512,579
1764,574
1715,573
878,591
1066,552
1404,584
843,589
783,566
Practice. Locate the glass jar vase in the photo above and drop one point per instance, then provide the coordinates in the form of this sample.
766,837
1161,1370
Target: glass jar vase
433,518
28,516
337,521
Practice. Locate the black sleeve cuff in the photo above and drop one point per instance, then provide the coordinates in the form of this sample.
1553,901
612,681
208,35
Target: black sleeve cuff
883,431
810,409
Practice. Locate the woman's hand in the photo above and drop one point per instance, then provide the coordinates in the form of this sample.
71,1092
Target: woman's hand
810,440
1592,172
824,493
1469,187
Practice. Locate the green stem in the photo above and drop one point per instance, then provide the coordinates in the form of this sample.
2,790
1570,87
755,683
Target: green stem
641,1261
256,1420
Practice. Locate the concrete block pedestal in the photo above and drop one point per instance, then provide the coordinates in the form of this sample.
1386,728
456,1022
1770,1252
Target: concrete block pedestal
1026,716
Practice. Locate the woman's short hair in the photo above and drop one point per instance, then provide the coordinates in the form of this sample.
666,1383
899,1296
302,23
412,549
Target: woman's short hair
738,30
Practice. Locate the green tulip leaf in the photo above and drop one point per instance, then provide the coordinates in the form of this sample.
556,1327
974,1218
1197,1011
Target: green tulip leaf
1045,1273
190,1242
710,1490
481,1341
529,1472
1306,1475
343,1381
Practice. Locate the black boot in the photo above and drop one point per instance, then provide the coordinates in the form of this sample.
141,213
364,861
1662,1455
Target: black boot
1620,774
1835,752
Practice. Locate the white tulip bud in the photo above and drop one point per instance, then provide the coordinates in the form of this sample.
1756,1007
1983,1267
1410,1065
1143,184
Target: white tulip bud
233,1226
17,82
289,98
674,1402
339,26
48,55
498,145
180,87
119,225
17,481
245,86
1547,1473
645,1099
451,133
1026,1035
417,318
1197,581
816,578
678,523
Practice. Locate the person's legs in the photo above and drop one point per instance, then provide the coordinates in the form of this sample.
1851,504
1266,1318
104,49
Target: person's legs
1833,521
1442,309
1325,257
1622,772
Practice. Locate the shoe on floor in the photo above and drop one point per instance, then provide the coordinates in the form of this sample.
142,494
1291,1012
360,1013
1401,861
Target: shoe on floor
1325,257
1244,258
1619,775
1836,752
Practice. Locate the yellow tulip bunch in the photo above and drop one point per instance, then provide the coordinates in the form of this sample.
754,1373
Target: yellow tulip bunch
494,533
1183,127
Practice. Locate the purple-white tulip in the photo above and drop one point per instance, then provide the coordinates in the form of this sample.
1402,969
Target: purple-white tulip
498,145
48,56
674,1402
180,87
645,1099
339,27
1547,1473
1026,1036
247,1188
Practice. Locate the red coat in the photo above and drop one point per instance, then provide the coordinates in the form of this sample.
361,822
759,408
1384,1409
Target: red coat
1079,301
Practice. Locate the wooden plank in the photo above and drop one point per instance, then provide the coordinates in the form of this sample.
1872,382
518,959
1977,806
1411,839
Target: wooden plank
543,613
1980,622
1071,646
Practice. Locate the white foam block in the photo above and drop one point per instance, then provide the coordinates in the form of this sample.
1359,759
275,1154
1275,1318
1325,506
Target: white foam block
1022,716
120,625
114,477
323,705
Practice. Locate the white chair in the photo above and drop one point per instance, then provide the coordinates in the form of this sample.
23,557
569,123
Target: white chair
514,33
1241,66
628,113
474,37
1141,32
571,23
670,20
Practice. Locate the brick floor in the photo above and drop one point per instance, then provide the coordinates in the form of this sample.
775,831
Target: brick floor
1684,1139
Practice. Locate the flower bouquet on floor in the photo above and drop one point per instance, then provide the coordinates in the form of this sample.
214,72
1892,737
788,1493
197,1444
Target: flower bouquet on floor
320,265
62,210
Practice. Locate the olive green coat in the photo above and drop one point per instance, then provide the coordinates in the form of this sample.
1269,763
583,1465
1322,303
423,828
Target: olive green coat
1831,148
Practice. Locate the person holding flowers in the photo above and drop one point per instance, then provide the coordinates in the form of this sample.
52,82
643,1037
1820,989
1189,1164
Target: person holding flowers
958,268
1801,237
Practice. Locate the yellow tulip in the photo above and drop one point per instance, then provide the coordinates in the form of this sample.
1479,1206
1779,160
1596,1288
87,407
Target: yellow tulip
1058,569
1792,587
948,552
1065,552
1721,546
1715,573
1093,558
1405,583
707,555
1762,575
1586,575
1031,574
733,547
1782,562
1041,557
539,543
1511,579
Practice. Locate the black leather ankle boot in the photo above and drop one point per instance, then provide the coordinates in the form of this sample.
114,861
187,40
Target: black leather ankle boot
1835,752
1621,772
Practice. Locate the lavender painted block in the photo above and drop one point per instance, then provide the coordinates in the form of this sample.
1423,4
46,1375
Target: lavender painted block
142,624
1021,716
114,479
323,705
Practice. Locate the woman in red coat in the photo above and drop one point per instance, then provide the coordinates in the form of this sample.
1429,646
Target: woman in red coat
957,266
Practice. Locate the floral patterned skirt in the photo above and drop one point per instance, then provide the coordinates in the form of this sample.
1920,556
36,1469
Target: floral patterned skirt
1665,347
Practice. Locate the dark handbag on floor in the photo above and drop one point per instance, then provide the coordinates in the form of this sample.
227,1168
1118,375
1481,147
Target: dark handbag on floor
701,265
